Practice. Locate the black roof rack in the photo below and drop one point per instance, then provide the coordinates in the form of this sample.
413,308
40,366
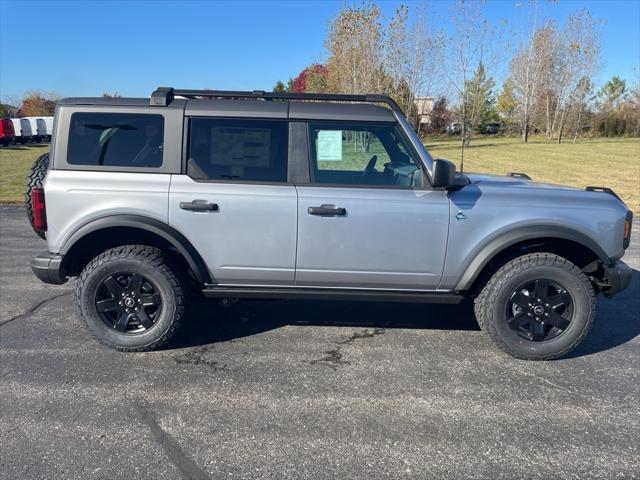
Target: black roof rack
163,96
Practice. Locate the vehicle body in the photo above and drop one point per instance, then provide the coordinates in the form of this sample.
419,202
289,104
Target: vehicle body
259,195
492,128
38,128
22,129
454,128
7,132
45,128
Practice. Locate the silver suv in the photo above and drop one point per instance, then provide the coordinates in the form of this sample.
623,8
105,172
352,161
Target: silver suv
262,195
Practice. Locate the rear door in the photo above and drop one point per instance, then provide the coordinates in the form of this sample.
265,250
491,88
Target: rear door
234,203
365,221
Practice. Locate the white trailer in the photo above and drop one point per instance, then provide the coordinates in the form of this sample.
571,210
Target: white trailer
22,128
45,128
34,128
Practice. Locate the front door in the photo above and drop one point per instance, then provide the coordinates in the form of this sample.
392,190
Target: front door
365,221
234,204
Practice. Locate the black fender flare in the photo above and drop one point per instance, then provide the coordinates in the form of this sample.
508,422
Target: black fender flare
161,229
496,245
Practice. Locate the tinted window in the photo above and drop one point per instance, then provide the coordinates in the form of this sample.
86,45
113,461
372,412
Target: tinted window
360,154
240,150
115,139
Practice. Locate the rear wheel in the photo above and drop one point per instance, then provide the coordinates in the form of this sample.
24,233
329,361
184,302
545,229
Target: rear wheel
537,307
131,298
34,179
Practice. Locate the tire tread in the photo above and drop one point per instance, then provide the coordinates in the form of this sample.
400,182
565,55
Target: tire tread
153,257
484,303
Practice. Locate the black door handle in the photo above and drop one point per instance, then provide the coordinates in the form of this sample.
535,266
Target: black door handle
199,206
328,210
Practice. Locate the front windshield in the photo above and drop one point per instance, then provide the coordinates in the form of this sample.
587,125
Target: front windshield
417,144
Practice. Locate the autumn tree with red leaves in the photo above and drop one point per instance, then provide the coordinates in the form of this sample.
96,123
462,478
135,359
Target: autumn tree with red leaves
312,79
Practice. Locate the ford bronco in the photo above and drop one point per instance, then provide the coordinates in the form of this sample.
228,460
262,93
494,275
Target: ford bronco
148,201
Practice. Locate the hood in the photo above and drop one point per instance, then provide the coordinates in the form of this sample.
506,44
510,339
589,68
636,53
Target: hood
482,179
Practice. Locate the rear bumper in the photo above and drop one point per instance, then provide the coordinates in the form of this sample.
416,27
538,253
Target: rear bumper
48,268
617,278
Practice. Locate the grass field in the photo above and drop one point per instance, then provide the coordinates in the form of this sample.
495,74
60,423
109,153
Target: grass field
14,165
614,163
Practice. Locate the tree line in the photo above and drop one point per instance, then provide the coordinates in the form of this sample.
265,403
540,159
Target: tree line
548,70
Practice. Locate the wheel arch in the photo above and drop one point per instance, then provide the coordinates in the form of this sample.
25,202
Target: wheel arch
114,230
567,242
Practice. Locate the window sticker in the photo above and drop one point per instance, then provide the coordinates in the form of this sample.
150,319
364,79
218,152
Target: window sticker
329,146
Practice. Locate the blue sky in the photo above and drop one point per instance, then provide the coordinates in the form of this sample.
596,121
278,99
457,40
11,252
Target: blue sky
85,48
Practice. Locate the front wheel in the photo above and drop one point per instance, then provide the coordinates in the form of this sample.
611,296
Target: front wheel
537,307
131,298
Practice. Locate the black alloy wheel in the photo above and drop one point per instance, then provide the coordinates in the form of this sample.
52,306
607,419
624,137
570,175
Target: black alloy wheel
539,310
128,302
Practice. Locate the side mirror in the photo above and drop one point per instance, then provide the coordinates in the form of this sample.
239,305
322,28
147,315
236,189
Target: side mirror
444,173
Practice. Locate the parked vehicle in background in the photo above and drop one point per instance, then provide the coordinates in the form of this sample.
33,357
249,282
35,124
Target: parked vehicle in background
7,132
454,128
152,200
33,125
492,128
22,129
45,127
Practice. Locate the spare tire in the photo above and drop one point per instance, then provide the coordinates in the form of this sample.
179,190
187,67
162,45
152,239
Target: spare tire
34,179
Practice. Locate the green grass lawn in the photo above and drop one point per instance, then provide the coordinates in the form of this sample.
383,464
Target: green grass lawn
610,162
15,162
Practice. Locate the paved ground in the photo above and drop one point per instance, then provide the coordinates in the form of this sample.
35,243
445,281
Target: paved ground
307,390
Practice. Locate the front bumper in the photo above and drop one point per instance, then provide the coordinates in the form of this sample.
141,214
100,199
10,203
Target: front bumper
48,268
617,277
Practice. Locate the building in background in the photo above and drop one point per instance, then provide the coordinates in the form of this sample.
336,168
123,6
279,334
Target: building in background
424,107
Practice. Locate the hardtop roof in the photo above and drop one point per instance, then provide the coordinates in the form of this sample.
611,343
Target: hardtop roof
255,107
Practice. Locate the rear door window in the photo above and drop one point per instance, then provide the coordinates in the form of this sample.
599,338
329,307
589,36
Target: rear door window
238,150
116,140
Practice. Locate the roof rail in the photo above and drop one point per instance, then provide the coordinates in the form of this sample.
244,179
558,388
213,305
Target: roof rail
163,96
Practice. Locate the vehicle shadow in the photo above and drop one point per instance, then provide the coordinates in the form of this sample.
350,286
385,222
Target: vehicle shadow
617,322
208,322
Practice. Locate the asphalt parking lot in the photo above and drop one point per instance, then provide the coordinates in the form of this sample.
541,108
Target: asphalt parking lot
303,389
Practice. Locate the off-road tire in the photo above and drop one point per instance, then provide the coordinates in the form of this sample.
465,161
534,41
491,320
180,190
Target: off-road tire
34,179
149,262
491,303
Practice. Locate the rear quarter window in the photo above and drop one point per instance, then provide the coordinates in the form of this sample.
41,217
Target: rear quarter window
116,140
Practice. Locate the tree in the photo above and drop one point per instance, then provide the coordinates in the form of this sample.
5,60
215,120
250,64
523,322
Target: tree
471,42
611,96
279,87
312,79
575,63
411,59
583,89
527,73
355,47
612,92
506,104
440,115
479,100
38,104
369,53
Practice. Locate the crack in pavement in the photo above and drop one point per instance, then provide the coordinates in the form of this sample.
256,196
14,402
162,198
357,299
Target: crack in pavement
197,356
189,469
333,357
31,310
